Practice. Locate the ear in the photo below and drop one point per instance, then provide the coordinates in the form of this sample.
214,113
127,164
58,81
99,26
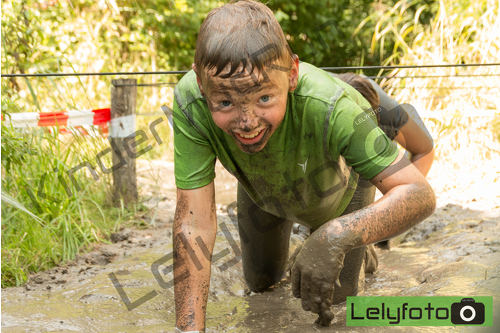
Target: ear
293,75
198,79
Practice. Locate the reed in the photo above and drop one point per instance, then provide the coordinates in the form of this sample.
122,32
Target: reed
34,172
36,40
467,148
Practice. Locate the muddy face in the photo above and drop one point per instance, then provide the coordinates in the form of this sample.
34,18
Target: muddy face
248,106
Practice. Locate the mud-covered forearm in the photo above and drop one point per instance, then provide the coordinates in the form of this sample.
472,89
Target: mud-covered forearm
194,234
191,285
408,199
397,211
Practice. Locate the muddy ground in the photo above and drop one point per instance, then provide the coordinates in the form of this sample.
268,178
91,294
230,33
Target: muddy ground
455,252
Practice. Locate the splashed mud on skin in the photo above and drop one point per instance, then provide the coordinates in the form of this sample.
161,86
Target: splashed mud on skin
453,252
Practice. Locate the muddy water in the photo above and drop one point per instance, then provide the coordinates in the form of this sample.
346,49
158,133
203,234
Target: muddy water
454,252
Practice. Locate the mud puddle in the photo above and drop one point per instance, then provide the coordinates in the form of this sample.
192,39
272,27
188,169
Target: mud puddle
453,253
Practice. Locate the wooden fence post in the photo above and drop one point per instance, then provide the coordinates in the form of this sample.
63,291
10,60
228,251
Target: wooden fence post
123,102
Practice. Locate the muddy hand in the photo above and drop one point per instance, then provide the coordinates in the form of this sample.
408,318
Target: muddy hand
325,316
315,271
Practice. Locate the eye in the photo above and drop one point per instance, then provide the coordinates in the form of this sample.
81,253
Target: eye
265,99
225,104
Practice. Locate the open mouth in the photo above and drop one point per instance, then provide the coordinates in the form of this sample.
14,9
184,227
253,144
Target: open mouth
250,138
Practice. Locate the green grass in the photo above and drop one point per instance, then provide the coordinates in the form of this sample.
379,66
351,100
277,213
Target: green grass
38,40
66,224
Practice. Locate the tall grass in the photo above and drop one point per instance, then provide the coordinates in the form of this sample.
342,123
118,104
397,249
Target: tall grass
35,39
34,175
467,148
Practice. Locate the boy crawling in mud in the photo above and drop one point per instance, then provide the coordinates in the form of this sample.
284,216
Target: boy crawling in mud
304,147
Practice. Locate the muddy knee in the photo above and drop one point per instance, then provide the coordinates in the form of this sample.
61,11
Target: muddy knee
264,243
265,258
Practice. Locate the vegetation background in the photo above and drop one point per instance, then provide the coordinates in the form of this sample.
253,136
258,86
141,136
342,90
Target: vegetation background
145,35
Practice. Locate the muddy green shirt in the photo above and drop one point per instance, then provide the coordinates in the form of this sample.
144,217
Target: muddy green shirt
304,171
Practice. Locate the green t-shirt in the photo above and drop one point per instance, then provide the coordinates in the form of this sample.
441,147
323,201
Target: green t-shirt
304,171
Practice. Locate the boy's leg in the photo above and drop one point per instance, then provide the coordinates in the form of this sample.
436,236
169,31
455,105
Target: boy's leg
264,244
349,276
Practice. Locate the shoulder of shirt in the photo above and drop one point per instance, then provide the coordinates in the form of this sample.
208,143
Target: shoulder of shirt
317,84
323,86
187,91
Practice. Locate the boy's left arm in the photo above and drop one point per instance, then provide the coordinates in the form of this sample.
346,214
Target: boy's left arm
407,200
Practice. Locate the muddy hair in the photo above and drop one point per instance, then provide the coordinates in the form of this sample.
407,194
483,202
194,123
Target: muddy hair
241,33
365,88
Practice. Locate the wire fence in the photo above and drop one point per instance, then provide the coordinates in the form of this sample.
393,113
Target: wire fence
428,76
342,68
185,71
454,88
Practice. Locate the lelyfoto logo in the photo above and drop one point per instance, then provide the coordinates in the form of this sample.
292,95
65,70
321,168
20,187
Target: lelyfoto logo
420,311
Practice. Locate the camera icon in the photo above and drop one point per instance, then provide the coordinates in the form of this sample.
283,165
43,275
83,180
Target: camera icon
467,312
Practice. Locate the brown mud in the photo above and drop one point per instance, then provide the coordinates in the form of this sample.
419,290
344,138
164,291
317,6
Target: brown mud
455,252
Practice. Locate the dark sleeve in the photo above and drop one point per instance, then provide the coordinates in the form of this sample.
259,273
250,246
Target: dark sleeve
392,120
392,115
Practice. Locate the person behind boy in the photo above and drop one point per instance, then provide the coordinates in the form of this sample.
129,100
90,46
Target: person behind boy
298,144
401,123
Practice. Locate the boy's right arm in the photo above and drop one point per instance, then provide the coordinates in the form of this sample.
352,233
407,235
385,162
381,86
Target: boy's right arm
194,231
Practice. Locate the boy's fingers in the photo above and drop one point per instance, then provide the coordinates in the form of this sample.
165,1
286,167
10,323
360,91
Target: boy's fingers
296,282
325,316
327,295
310,293
305,295
315,297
